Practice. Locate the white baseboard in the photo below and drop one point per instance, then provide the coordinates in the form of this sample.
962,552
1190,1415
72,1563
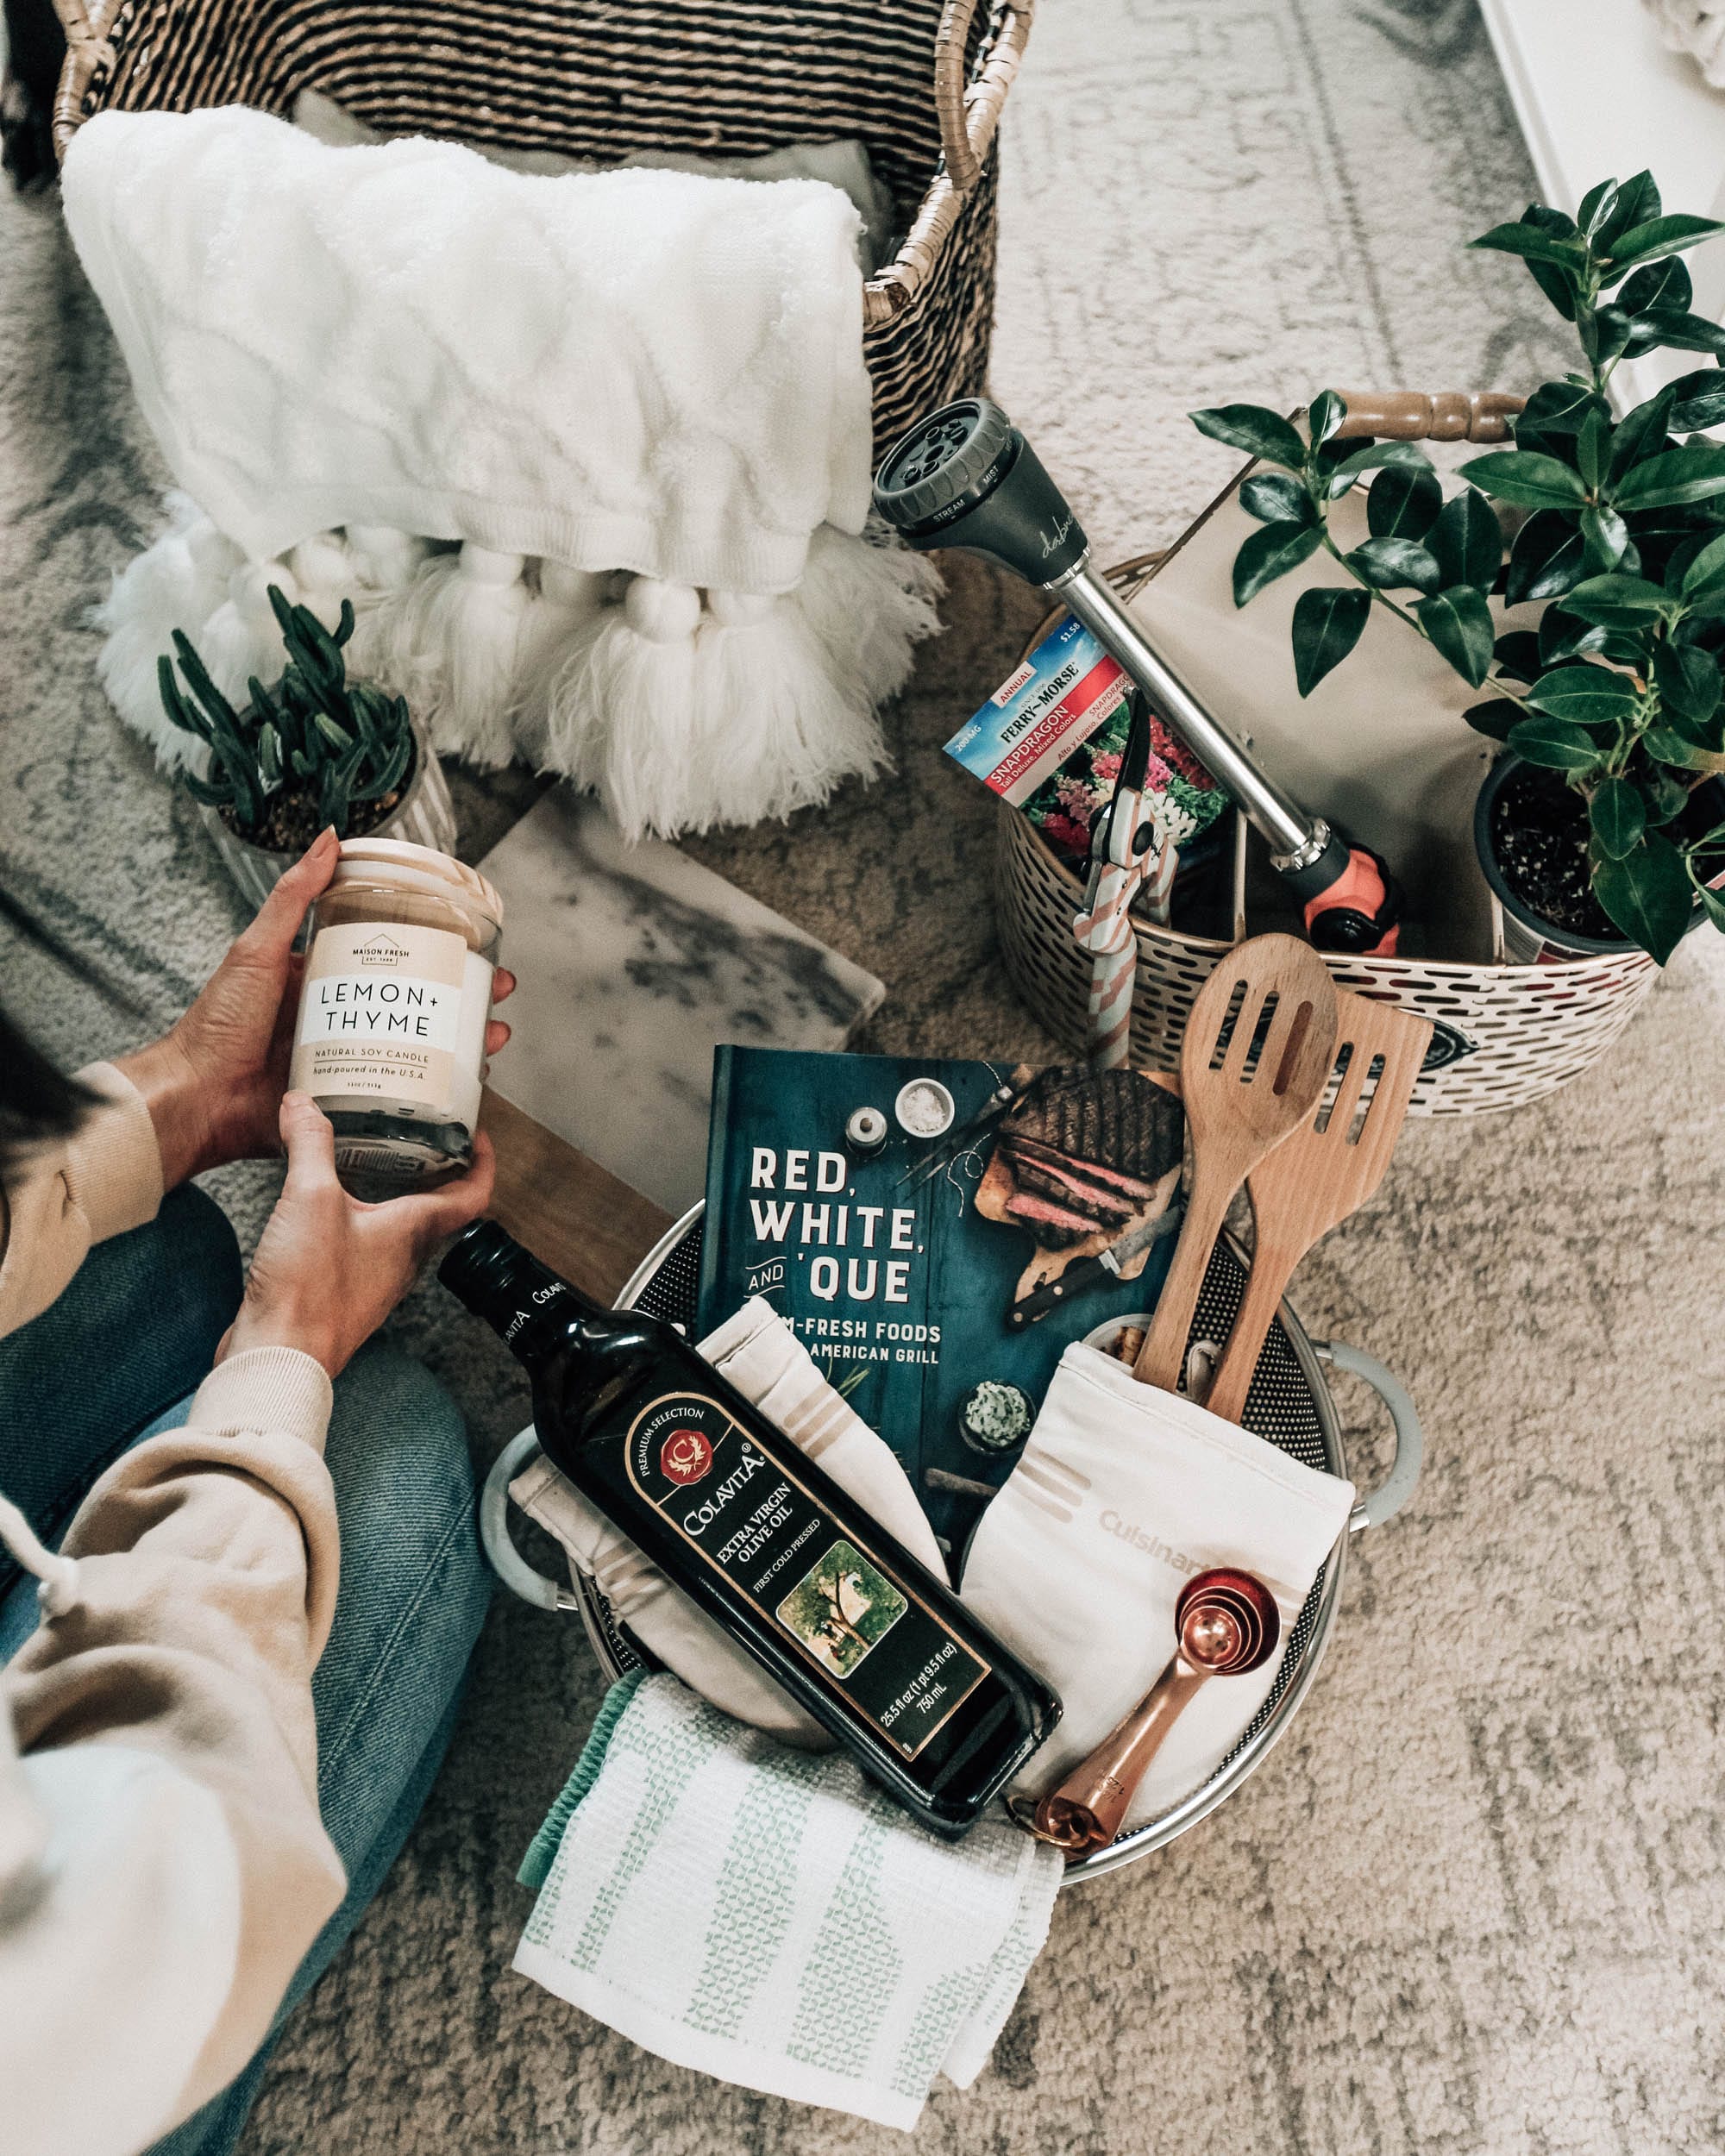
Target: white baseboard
1599,95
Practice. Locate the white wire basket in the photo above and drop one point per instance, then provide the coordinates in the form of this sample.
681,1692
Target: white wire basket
1503,1035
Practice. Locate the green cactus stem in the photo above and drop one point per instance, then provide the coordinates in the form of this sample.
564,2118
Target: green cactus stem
312,742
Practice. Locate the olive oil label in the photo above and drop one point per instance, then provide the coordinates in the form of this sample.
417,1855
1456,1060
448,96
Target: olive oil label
871,1636
841,1607
380,1015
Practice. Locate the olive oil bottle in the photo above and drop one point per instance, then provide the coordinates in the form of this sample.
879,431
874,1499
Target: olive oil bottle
877,1649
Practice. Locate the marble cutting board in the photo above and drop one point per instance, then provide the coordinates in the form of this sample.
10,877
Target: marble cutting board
634,962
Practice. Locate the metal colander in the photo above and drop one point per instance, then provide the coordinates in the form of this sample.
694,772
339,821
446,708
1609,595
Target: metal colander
1289,1405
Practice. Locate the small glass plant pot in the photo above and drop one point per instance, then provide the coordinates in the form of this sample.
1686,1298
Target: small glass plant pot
425,816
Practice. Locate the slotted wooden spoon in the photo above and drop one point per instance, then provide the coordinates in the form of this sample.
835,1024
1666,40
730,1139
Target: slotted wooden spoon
1326,1170
1244,1095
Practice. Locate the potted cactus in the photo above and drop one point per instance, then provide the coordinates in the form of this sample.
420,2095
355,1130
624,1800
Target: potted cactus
1601,826
313,750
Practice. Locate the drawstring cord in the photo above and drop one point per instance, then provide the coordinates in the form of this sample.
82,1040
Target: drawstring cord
57,1576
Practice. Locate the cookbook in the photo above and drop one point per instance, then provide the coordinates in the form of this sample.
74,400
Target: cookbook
909,1246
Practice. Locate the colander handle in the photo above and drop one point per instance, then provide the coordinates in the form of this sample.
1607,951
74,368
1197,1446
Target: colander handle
1398,1486
506,1561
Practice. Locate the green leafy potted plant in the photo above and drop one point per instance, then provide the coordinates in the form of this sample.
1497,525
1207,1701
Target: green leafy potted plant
1603,822
314,750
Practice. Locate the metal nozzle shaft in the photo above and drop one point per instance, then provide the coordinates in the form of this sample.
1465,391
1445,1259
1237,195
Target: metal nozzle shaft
1294,838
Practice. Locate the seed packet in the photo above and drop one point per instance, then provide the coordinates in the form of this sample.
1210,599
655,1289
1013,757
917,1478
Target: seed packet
1050,741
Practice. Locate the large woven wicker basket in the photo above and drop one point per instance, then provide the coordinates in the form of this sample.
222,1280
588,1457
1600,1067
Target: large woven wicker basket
1504,1034
919,82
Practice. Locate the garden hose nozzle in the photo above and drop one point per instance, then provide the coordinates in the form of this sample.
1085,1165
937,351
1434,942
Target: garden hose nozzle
965,477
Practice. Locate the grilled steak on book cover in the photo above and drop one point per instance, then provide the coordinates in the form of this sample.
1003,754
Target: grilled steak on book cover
1054,1227
1087,1149
1040,1170
1061,1187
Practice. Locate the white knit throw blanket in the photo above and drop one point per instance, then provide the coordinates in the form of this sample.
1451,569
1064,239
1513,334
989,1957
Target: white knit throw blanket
638,398
634,370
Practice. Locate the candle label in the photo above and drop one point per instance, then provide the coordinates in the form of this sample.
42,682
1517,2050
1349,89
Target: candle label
747,1514
380,1016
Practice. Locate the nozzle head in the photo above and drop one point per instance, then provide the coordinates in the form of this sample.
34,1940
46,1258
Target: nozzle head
965,477
948,460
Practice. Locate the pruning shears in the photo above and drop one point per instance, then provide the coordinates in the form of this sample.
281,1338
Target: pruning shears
1126,855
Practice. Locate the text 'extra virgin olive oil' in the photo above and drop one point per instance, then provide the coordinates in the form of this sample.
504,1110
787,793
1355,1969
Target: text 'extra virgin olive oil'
871,1644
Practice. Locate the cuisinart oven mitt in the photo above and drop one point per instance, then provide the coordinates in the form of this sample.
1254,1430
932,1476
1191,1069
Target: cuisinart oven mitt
757,1351
768,1917
1122,1494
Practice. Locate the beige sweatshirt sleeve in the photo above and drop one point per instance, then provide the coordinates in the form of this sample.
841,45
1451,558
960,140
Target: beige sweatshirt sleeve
163,1866
107,1177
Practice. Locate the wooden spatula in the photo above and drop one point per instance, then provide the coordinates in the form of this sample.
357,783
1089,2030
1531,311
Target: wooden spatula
1258,1052
1330,1167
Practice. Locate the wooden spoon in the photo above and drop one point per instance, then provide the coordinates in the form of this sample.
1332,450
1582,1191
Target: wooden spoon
1330,1167
1239,1104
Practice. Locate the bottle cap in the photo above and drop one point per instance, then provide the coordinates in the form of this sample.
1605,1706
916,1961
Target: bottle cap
865,1132
479,1261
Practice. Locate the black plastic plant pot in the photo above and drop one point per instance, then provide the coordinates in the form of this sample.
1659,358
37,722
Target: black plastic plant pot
1526,931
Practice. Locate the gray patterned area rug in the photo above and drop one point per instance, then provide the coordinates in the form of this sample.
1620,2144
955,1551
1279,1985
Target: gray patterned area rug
1475,1901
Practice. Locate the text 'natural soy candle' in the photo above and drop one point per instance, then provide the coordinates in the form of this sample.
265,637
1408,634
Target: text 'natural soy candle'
390,1037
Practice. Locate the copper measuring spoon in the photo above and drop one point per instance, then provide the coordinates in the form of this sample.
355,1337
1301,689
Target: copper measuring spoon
1228,1624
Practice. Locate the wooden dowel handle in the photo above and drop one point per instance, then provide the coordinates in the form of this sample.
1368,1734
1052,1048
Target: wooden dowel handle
1446,415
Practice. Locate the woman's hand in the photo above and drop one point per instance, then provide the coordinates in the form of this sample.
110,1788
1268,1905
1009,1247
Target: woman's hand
214,1084
329,1269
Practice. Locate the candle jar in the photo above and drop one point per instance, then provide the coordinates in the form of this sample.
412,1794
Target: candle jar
390,1037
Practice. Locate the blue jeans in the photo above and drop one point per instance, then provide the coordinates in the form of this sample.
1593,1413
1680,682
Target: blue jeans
117,1358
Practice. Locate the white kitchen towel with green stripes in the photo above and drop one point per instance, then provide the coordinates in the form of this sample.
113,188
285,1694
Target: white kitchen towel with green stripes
768,1916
